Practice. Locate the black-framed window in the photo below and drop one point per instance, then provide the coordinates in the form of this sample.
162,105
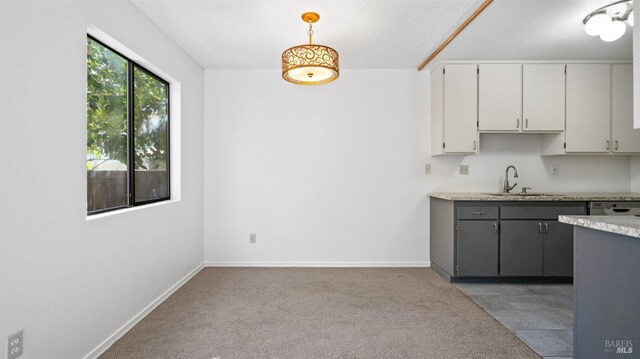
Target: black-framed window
128,162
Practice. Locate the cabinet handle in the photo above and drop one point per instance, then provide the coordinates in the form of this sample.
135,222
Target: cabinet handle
477,213
526,123
615,145
517,123
474,145
495,228
608,145
546,228
539,227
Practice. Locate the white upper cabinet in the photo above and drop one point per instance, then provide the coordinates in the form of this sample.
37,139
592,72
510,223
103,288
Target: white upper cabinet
599,112
521,98
543,96
588,108
579,108
454,109
500,97
624,139
461,108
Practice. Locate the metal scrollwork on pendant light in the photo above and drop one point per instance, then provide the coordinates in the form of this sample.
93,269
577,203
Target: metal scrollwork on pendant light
608,21
310,64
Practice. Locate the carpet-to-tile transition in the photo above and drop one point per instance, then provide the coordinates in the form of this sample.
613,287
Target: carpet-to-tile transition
318,313
541,315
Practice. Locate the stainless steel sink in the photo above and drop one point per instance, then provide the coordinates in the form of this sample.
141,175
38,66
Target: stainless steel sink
533,194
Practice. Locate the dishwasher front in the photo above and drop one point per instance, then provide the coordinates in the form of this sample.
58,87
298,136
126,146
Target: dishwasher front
614,208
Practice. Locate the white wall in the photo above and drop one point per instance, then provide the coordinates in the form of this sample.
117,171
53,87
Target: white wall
497,151
323,174
68,282
334,174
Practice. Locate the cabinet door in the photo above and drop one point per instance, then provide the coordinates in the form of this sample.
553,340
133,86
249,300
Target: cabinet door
500,97
437,110
520,248
558,249
625,138
588,106
477,248
460,109
543,97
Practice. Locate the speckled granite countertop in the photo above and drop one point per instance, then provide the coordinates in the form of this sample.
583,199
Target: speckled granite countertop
476,196
625,225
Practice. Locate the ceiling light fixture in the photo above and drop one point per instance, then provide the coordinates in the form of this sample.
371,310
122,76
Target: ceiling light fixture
608,21
310,64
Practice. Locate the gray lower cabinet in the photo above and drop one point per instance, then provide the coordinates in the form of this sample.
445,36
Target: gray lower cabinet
558,249
521,248
502,239
533,243
477,248
536,248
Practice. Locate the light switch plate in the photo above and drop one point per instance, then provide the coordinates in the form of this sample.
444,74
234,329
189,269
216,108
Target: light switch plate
555,169
464,170
427,168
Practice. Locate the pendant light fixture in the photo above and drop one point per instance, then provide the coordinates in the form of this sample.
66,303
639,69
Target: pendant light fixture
310,64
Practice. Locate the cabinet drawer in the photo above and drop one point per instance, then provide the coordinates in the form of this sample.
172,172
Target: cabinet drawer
540,212
478,212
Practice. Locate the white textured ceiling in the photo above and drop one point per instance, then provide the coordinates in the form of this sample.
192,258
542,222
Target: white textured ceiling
536,30
246,34
251,34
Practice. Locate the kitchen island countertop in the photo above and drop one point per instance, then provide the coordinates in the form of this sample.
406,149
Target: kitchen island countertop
624,225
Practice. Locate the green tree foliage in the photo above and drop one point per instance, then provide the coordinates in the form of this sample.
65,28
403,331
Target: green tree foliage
150,121
106,104
107,74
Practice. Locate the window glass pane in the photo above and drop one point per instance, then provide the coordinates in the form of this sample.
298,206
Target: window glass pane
151,133
107,183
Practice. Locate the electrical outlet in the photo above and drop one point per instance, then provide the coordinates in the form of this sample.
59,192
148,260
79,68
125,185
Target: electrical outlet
14,345
555,170
252,238
464,170
427,168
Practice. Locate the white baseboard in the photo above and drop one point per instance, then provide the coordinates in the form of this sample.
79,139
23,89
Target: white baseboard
100,349
317,264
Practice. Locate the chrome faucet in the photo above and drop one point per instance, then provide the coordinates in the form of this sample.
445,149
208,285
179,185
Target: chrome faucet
506,188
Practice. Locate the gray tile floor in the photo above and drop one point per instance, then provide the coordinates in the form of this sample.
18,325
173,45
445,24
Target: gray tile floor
541,315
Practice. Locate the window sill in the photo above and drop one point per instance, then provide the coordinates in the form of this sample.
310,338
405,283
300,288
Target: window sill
117,212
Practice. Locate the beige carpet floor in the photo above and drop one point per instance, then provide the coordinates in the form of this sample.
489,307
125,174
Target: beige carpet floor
318,313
